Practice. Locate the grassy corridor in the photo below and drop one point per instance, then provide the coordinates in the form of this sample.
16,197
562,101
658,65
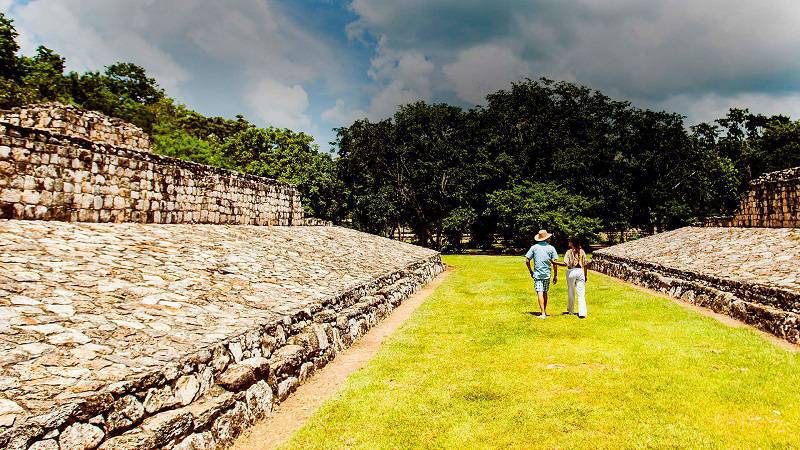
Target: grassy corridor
473,368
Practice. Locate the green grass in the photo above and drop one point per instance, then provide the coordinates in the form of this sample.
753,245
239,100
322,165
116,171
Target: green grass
474,369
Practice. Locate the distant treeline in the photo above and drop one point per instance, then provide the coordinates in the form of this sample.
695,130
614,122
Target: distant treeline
540,154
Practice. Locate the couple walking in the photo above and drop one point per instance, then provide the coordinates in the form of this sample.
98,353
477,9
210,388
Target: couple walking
545,258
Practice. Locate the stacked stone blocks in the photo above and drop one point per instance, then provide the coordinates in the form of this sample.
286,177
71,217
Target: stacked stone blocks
67,120
741,272
773,201
49,175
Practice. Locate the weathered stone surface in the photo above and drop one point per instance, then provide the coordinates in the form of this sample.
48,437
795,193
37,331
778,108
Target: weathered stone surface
773,201
198,441
259,365
286,359
259,399
286,387
156,309
230,424
73,121
9,412
47,444
186,388
125,412
138,440
80,436
205,410
237,377
168,426
743,272
159,399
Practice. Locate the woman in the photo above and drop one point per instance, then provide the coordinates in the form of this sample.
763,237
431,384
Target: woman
575,261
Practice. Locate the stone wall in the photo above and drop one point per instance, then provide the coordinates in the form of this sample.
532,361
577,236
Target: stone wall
209,397
58,175
740,272
71,121
146,335
773,201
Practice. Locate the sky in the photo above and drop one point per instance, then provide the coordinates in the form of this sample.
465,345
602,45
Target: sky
313,65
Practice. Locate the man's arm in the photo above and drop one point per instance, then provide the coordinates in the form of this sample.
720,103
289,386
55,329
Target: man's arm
585,270
528,263
555,270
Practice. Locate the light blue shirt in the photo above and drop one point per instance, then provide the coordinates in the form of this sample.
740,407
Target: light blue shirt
541,254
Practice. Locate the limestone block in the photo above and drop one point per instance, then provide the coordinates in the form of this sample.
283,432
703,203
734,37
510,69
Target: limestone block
80,436
168,426
206,409
231,423
186,388
125,412
259,398
237,377
159,399
286,387
46,444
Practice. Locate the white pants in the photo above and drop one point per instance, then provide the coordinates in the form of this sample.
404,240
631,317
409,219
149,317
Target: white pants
576,284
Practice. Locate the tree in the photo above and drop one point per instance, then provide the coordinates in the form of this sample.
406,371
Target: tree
529,206
288,156
43,75
9,68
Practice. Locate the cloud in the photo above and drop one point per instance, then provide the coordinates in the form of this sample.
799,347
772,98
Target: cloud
708,107
401,76
648,51
339,113
279,104
240,56
92,41
484,69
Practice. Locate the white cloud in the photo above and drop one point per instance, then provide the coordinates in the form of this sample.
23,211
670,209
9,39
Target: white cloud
339,114
250,52
709,107
401,77
649,50
279,104
90,45
484,69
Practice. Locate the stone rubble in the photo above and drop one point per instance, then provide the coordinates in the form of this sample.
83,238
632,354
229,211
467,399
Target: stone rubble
122,336
747,273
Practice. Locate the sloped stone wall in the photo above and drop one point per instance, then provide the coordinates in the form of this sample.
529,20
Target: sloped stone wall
773,201
45,175
129,336
741,272
208,398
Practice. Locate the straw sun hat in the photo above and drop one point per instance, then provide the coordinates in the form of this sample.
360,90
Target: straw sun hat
542,235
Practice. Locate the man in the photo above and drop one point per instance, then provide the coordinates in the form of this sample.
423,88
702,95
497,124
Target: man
543,254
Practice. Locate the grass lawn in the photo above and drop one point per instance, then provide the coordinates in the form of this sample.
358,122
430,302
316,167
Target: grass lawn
474,368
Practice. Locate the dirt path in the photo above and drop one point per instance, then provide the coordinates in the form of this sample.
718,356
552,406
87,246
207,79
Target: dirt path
726,319
293,413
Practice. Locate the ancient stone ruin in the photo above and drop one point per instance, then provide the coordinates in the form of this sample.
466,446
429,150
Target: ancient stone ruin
184,321
740,266
773,201
109,175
